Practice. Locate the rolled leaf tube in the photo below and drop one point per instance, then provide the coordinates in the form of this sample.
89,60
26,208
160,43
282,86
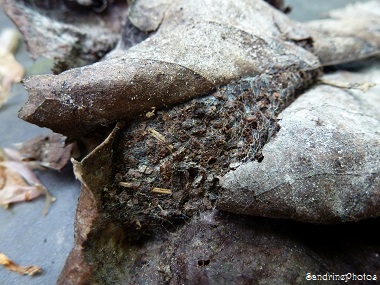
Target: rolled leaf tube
161,71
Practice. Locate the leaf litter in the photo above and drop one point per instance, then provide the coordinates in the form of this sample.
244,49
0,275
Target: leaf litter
145,143
18,182
10,70
12,266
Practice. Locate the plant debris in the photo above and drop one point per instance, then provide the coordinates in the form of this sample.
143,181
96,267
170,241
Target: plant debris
10,70
351,34
24,270
160,72
166,168
349,85
323,165
18,182
49,151
197,111
71,37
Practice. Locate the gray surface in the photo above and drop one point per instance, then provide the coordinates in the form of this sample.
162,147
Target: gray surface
25,235
307,10
323,164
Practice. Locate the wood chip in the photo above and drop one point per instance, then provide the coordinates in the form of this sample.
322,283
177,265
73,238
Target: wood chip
162,191
363,86
161,138
129,184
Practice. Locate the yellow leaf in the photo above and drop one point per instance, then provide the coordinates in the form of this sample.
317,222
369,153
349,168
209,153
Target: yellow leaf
25,270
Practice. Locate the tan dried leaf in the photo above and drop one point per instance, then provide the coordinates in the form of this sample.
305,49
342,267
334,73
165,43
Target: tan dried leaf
363,86
10,70
18,182
25,270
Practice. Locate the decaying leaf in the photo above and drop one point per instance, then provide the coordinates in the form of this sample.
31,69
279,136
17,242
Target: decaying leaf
132,226
47,150
351,33
159,72
181,151
323,165
10,70
71,37
206,34
24,270
215,248
18,182
153,188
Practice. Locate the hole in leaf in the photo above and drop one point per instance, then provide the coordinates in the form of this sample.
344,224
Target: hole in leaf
203,262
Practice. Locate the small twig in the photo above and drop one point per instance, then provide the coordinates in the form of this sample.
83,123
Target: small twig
161,138
162,191
346,85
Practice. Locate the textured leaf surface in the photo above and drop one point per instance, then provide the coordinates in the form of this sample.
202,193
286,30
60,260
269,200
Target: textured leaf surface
212,47
323,165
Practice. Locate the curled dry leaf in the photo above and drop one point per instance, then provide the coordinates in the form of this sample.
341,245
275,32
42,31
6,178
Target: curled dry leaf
350,34
71,37
159,72
48,151
168,166
24,270
323,165
18,182
10,70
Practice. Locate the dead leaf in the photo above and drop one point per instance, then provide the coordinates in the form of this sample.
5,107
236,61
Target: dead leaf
350,34
48,151
159,72
322,166
10,70
18,182
71,37
24,270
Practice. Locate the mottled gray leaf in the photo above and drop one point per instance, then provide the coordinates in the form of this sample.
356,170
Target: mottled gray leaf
71,37
323,165
352,33
215,42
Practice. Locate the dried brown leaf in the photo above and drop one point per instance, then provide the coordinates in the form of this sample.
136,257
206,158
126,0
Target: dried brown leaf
216,42
322,166
24,270
71,37
47,150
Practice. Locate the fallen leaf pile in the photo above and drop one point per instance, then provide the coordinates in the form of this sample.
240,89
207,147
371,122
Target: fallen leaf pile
25,270
160,72
215,135
17,180
10,70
